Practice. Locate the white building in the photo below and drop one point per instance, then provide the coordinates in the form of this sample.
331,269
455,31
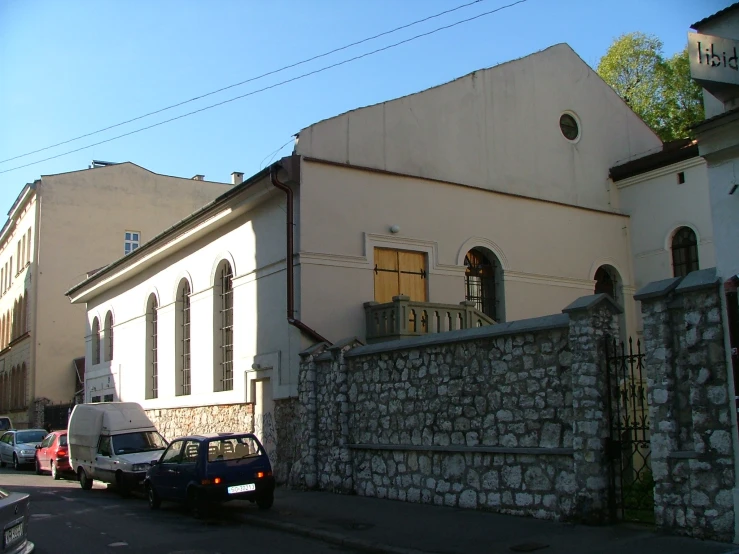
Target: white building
59,228
492,189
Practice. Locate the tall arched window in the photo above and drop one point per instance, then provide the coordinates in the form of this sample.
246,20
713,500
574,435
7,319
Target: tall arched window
22,387
684,252
108,337
482,281
152,343
95,341
605,282
16,321
223,319
182,338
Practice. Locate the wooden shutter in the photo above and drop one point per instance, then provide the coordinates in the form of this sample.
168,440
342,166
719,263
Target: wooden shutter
399,272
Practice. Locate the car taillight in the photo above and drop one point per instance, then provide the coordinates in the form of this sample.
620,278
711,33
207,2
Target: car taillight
214,481
61,453
263,474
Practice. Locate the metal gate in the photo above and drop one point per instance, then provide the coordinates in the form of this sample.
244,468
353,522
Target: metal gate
631,484
57,415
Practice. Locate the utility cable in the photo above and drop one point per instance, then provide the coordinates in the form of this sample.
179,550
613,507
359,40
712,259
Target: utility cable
275,85
251,79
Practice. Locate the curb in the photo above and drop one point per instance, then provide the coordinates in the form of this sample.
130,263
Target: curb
328,536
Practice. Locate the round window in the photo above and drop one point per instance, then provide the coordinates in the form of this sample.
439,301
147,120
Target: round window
569,127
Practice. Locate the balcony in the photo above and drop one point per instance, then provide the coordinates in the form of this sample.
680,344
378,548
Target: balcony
403,318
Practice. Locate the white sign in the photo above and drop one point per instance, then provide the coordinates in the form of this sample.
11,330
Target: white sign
713,59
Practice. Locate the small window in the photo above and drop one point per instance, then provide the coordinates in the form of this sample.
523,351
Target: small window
569,127
95,399
684,252
681,178
108,398
131,241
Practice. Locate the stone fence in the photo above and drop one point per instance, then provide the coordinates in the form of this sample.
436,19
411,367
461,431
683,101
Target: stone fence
509,417
690,406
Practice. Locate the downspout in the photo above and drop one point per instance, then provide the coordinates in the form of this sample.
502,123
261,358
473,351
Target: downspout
290,264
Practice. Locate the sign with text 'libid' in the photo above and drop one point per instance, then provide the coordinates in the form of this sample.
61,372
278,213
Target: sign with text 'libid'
713,59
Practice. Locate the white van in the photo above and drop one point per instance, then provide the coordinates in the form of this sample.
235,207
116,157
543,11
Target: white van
112,442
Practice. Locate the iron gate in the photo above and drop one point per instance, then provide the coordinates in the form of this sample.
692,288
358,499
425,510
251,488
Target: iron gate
631,484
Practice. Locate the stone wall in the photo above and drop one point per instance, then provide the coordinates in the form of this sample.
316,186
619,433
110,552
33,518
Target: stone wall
176,422
690,406
508,417
286,413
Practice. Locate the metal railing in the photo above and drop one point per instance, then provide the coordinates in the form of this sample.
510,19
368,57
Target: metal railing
403,318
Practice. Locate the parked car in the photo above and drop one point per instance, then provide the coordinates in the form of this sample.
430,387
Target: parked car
52,455
217,467
14,517
18,447
6,424
112,442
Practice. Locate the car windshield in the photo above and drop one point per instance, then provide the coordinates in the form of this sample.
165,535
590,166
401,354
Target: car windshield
233,448
141,441
29,436
3,494
63,440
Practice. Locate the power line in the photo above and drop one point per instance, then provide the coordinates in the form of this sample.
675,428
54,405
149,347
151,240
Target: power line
275,85
251,79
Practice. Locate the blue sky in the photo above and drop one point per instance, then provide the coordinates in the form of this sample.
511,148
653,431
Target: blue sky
72,67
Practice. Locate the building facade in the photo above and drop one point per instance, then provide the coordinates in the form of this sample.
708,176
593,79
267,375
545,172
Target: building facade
59,228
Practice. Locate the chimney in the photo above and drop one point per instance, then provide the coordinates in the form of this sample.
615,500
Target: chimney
198,178
237,177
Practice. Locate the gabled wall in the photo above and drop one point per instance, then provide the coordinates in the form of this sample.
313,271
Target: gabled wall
496,129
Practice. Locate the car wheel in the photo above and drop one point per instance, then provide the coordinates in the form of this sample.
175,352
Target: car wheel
16,463
85,481
266,500
38,467
55,472
153,497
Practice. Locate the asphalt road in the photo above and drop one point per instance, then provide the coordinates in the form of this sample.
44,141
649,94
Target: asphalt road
66,519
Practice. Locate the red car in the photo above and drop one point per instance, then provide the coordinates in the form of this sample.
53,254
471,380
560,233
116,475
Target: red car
53,454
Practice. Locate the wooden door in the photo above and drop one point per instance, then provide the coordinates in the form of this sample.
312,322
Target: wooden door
399,272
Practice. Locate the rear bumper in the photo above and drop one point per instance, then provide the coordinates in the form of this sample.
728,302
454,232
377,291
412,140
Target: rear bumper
25,547
134,480
62,464
219,493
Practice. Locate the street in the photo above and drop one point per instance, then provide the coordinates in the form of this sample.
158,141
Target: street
64,518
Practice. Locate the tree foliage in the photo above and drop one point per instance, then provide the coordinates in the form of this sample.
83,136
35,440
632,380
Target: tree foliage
659,90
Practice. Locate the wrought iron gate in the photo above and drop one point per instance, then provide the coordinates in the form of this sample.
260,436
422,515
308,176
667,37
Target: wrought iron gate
631,484
57,415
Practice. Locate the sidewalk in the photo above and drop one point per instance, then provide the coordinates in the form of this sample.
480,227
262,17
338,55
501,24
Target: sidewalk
374,525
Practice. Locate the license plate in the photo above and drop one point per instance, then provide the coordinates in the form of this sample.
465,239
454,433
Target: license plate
241,488
13,534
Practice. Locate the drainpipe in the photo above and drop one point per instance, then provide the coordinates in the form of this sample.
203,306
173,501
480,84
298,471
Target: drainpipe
290,265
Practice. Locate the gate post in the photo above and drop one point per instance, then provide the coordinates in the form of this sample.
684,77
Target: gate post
592,319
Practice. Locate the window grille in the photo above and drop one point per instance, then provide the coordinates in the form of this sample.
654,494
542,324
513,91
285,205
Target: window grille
154,351
226,309
95,341
109,336
479,280
684,252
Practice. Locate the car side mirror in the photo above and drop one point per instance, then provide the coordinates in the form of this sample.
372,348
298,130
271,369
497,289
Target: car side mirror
38,446
154,462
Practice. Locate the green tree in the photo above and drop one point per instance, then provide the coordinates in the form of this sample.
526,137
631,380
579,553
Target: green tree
660,91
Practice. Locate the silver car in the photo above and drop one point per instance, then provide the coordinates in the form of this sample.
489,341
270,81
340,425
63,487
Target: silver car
14,516
18,447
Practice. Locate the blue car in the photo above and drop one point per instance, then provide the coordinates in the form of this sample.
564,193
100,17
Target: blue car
202,469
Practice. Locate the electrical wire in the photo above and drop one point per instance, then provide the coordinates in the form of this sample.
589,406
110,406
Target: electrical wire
251,79
275,85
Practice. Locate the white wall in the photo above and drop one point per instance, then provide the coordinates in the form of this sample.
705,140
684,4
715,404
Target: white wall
496,129
254,242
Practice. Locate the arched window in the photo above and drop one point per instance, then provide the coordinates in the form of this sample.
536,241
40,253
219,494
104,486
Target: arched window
23,377
108,337
483,282
182,375
223,318
95,341
152,343
684,252
605,282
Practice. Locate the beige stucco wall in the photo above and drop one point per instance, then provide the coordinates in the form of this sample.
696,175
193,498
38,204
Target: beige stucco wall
497,129
83,217
549,252
252,237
